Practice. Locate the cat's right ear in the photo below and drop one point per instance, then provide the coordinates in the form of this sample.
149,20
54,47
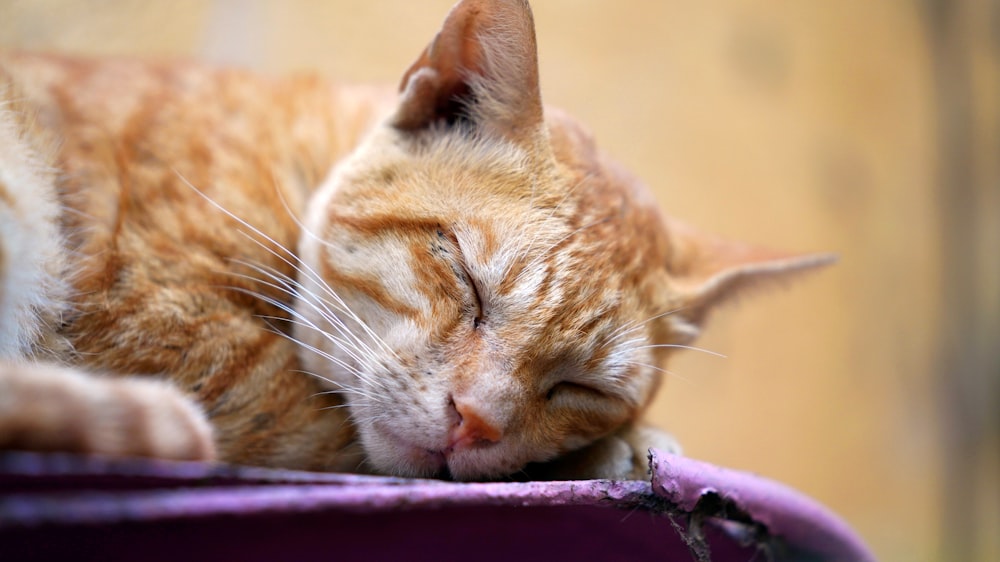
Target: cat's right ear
707,270
481,70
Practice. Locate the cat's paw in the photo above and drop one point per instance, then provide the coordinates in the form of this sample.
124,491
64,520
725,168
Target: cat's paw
642,438
623,455
51,408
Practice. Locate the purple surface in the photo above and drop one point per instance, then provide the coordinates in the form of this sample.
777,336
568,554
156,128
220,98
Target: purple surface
59,506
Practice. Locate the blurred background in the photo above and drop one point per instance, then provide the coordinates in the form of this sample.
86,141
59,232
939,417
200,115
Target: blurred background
870,129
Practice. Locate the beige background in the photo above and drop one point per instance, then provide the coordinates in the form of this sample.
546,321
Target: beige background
868,128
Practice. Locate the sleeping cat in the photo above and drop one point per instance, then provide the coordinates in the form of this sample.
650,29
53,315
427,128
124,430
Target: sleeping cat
202,263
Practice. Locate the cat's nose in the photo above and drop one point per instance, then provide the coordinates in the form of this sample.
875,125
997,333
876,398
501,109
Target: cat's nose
470,429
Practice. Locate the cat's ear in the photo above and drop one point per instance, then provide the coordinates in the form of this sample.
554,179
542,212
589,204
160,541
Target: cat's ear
707,270
481,69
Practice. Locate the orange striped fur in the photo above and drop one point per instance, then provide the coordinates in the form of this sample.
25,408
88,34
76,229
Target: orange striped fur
205,263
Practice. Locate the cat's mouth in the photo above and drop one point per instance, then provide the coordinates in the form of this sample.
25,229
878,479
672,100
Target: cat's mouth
441,464
466,465
443,472
438,461
410,458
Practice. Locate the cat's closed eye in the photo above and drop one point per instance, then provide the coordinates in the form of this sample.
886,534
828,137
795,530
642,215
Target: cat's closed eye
564,388
478,312
476,306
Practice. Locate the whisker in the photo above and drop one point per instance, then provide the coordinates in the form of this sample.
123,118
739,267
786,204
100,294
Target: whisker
659,369
232,215
681,346
334,407
631,326
338,391
308,271
349,368
293,288
365,377
296,290
315,277
343,391
359,374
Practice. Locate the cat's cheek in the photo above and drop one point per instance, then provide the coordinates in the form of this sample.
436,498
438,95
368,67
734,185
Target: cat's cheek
389,455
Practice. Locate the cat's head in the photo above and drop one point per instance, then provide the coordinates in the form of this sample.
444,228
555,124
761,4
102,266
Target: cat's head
484,285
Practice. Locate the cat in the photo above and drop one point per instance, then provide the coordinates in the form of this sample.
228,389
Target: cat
452,281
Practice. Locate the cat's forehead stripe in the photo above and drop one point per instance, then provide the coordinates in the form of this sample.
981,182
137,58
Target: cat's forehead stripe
375,225
369,286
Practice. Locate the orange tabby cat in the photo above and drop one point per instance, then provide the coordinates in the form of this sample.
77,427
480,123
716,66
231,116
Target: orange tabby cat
202,263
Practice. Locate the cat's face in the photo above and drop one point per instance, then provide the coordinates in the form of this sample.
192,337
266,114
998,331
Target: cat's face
482,327
481,284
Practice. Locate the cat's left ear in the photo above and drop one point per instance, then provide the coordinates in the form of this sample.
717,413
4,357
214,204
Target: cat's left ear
481,69
707,270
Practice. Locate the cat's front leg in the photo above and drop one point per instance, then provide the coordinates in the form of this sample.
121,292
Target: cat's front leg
52,408
623,455
640,438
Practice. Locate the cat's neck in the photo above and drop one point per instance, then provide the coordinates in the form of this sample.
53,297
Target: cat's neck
330,130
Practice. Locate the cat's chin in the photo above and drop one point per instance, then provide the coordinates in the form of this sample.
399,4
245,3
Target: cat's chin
393,455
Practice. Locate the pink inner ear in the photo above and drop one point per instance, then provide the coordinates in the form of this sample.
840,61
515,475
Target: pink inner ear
481,66
435,86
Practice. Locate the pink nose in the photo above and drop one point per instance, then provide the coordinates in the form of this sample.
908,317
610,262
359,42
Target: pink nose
471,429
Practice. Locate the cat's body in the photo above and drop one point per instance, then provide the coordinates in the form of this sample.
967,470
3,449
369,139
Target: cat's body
150,261
482,288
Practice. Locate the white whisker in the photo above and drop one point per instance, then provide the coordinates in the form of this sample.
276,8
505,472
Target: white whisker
321,353
346,340
339,303
315,277
343,390
659,369
298,266
634,325
295,290
680,346
318,278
